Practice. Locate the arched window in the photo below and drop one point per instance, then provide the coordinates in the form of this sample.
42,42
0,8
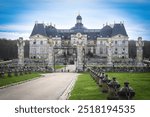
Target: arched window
41,42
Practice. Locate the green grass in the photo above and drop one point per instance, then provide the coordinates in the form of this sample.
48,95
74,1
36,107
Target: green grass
14,79
58,66
86,88
140,82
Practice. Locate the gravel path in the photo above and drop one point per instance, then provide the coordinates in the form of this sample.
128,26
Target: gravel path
49,87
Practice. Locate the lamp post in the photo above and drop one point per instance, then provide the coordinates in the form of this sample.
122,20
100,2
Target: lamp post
83,59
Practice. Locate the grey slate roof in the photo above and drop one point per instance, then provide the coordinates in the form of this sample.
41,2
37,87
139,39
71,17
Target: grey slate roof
39,29
78,27
119,29
106,31
51,31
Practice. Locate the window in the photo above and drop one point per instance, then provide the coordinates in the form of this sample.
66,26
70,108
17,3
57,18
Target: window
34,42
41,42
115,42
101,42
123,49
123,41
116,49
101,50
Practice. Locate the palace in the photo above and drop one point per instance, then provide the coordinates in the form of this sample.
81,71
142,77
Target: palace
94,40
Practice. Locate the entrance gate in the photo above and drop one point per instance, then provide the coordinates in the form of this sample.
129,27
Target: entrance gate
77,55
63,56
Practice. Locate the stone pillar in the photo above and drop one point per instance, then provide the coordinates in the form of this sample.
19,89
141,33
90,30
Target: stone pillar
80,52
50,54
20,45
109,53
139,52
79,57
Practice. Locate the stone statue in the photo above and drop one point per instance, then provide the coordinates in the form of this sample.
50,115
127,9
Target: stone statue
113,89
109,53
20,45
126,92
139,51
50,53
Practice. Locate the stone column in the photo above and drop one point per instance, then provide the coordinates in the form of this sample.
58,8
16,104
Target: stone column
109,53
139,52
79,57
20,45
80,52
50,54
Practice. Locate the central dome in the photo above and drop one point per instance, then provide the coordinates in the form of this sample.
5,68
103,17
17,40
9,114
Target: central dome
79,17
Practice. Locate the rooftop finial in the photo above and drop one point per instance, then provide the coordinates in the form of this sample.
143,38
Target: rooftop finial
78,12
36,22
50,23
123,22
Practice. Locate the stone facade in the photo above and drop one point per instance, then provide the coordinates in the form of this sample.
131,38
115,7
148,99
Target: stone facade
94,40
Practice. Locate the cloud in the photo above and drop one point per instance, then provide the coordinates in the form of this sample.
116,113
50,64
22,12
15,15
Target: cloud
14,35
16,27
62,13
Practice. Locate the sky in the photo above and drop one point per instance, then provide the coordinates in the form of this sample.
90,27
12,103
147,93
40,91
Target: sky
17,17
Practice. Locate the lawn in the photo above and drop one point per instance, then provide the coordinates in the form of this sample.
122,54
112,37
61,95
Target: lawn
86,88
140,82
58,66
9,80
